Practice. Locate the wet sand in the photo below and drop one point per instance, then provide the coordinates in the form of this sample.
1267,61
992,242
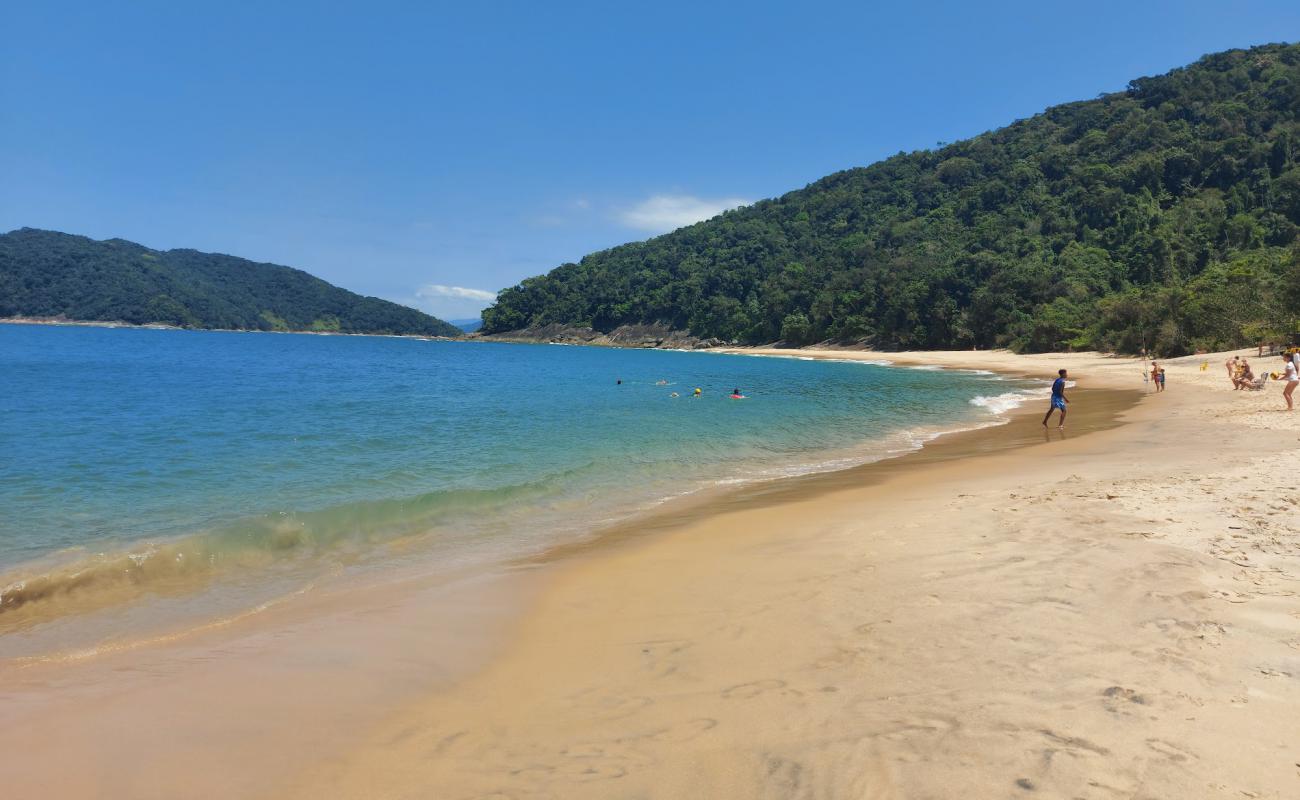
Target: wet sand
1011,611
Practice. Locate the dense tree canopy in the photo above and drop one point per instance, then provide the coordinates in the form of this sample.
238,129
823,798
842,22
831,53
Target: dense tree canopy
1164,217
50,274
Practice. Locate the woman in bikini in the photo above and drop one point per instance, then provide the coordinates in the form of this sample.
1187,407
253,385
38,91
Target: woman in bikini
1291,377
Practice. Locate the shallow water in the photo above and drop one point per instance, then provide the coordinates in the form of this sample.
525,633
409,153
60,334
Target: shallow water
150,463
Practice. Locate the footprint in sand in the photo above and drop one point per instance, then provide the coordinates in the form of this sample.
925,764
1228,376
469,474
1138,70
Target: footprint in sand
684,732
1118,697
1170,751
593,762
597,772
1231,597
659,656
1074,744
870,627
842,657
745,691
909,727
664,647
680,732
1273,673
1057,603
533,771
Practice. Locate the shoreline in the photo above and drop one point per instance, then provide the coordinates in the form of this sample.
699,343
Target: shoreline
1069,619
705,533
128,572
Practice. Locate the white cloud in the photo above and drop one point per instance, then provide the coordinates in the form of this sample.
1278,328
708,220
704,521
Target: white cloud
665,212
459,292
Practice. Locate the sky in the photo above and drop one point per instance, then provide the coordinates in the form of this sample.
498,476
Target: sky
434,153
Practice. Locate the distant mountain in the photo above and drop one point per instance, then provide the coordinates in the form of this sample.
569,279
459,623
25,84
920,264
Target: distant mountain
467,325
1165,217
52,274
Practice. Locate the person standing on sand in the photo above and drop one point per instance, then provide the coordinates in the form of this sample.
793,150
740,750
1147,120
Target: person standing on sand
1059,400
1155,376
1231,364
1291,377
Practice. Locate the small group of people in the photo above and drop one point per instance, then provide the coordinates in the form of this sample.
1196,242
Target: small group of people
735,394
698,392
1157,377
1243,376
1240,373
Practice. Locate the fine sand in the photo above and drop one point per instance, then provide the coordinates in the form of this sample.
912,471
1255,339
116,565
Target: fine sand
1108,611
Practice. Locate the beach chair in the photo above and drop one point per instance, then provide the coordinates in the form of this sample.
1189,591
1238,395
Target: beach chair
1257,384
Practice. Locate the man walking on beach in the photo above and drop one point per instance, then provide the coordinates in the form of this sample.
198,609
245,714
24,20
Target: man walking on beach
1058,400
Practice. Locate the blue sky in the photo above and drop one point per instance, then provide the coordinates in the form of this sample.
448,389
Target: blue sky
433,153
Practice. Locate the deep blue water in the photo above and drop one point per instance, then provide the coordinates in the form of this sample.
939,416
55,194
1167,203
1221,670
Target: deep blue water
249,449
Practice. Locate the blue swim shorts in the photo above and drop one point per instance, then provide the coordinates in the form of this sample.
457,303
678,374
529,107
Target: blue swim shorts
1058,402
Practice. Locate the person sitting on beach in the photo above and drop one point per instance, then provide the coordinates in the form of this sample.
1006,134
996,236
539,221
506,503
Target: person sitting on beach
1245,376
1291,377
1058,399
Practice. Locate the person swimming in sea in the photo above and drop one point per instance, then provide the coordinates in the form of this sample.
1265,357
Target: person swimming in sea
736,395
698,391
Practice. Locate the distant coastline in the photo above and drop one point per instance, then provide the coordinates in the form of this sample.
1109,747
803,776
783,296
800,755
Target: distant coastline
50,275
159,326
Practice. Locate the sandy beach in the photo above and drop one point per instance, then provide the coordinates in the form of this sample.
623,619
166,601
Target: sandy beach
1112,615
1108,611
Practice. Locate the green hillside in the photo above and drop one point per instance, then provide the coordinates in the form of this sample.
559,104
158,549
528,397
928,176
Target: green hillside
1165,216
51,274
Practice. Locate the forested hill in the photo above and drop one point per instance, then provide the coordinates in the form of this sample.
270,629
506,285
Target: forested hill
51,274
1164,216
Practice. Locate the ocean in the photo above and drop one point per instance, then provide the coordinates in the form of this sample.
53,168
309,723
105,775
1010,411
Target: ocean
147,473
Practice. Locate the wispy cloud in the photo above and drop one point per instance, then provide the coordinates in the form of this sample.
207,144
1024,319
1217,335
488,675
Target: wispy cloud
459,292
665,212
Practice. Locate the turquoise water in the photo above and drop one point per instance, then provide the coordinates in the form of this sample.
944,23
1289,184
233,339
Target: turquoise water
154,453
